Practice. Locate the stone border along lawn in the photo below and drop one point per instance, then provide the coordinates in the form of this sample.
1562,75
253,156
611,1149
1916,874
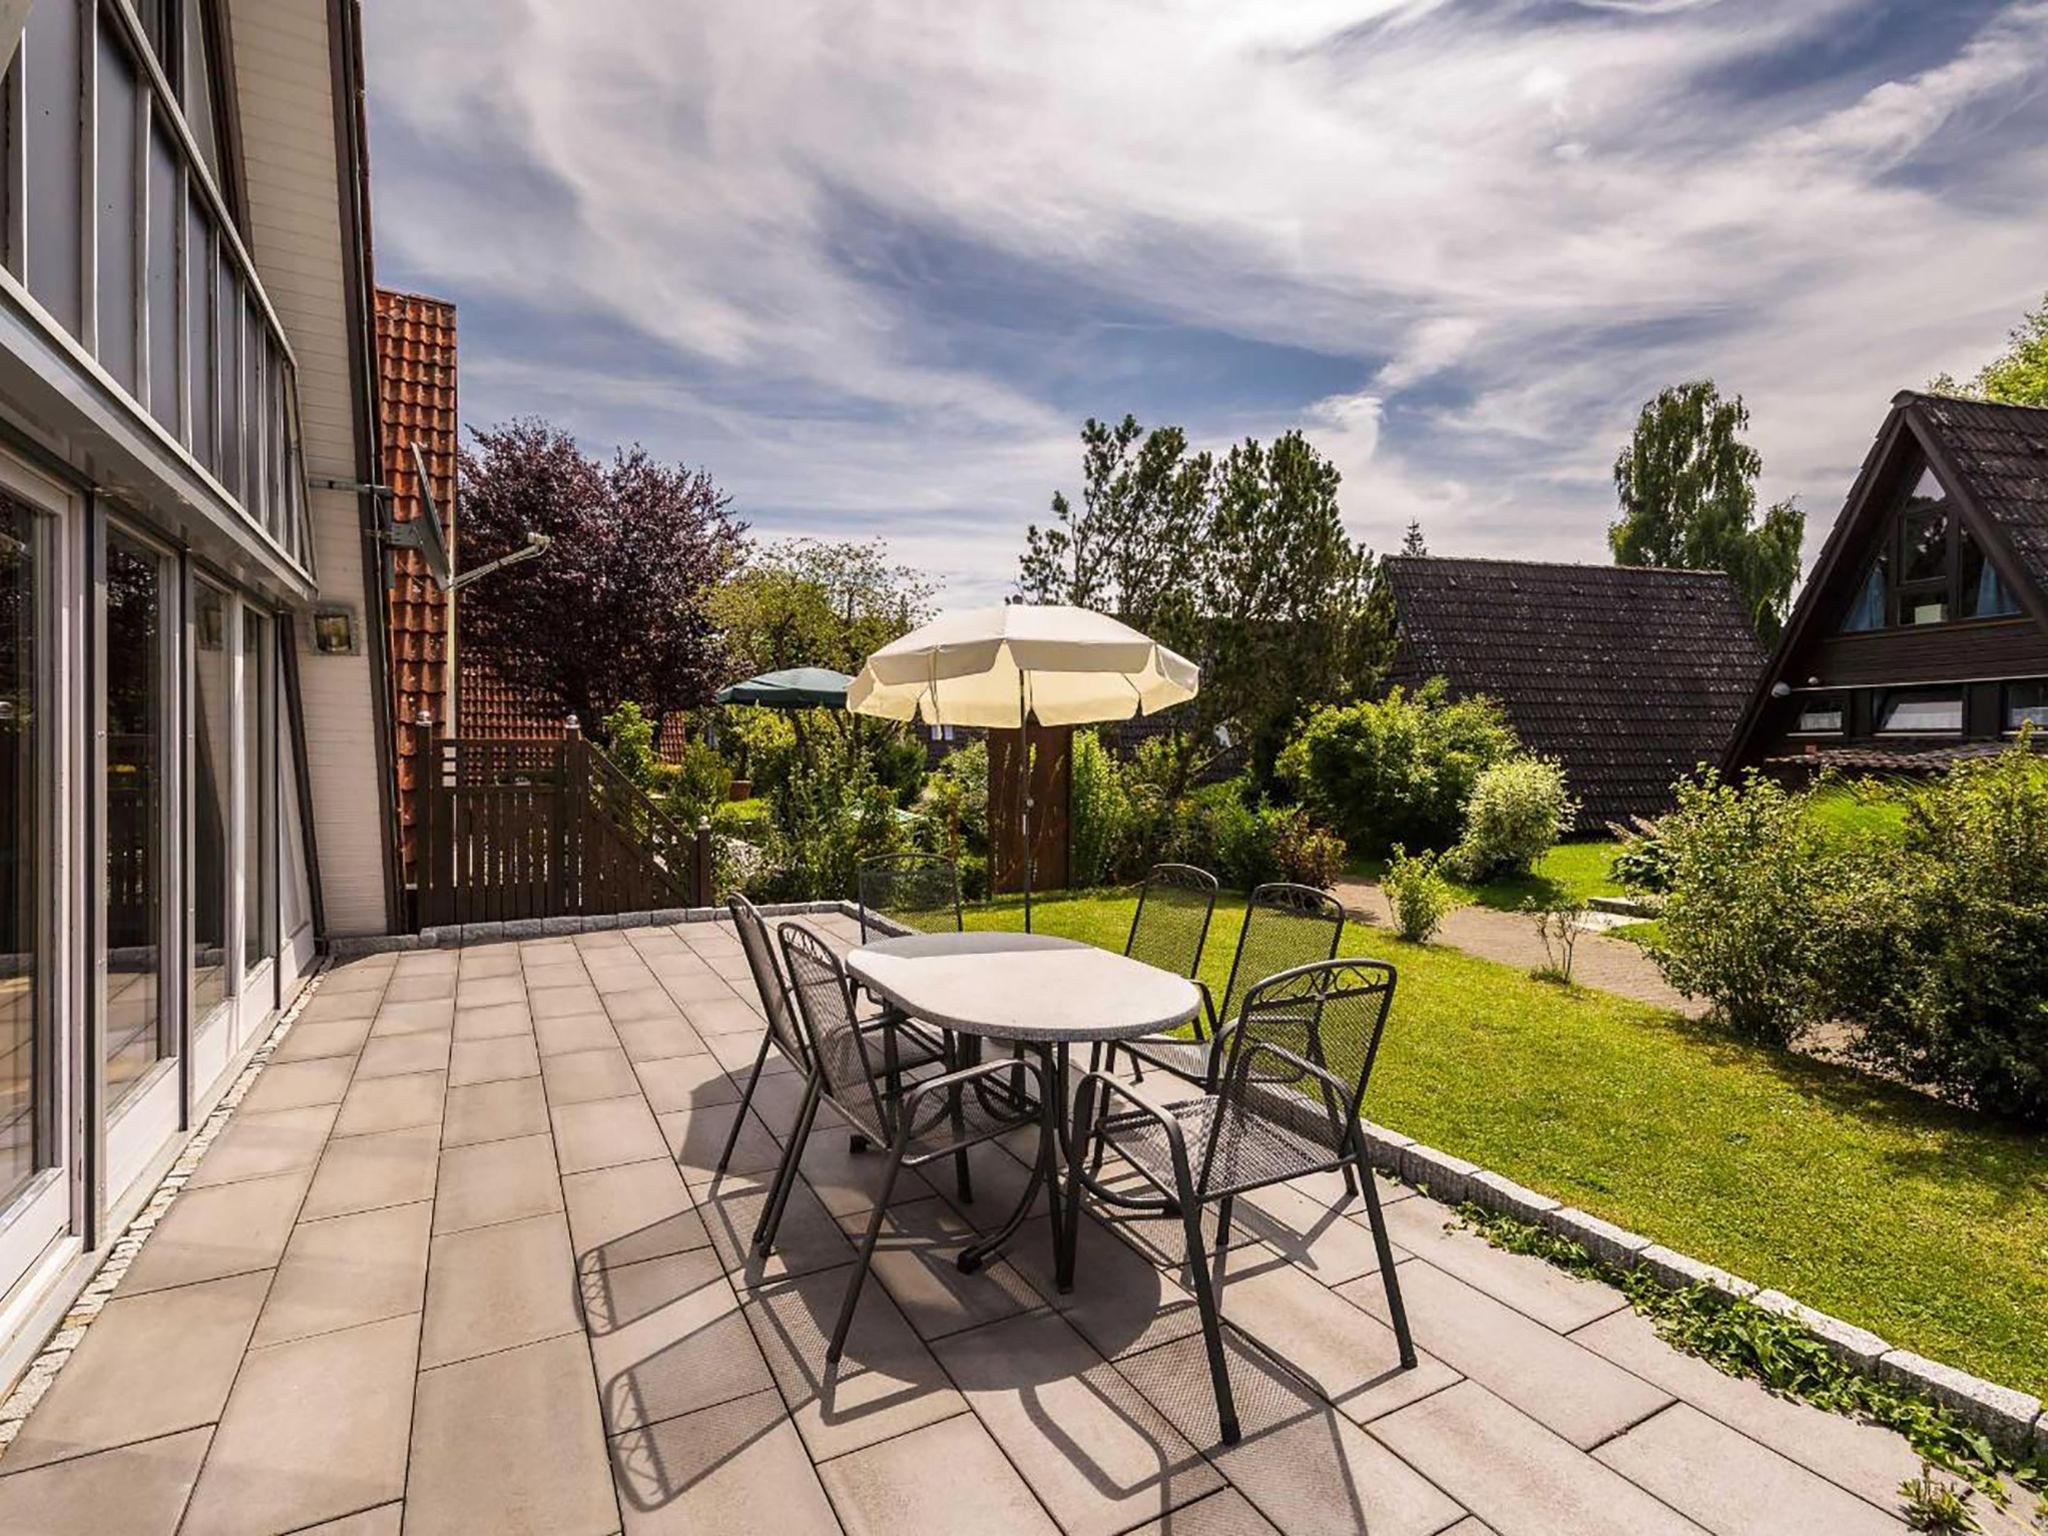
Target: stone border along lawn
1917,1223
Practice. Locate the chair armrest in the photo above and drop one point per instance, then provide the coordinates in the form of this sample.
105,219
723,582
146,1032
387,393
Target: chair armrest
1208,1006
1307,1068
967,1075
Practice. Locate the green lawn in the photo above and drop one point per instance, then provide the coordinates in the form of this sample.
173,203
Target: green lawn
1569,870
1924,1224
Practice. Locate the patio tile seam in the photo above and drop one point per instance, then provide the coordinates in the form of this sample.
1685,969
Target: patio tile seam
71,1330
322,1524
482,1354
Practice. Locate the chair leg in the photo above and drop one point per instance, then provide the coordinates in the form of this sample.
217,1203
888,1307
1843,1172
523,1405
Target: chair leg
1223,1211
732,1137
1350,1181
786,1174
1212,1323
867,1254
1385,1250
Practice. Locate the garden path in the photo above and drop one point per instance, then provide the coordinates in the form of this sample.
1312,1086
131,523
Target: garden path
1609,964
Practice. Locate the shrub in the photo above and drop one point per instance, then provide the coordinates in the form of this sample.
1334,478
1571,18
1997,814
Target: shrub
697,784
1642,863
1398,770
1743,925
1100,822
761,743
1517,812
629,743
899,761
1420,896
1560,925
828,813
1945,965
1300,849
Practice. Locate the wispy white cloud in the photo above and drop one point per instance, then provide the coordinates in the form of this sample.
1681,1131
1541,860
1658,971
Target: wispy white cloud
1508,224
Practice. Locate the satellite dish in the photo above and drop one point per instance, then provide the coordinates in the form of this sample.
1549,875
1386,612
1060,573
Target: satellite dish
425,534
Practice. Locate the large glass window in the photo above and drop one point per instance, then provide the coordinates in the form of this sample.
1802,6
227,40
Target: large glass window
52,72
2026,704
259,901
119,98
1983,592
23,1096
133,698
1929,568
212,797
1822,715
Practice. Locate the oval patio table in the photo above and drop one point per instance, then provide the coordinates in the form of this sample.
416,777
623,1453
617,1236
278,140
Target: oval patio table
1034,990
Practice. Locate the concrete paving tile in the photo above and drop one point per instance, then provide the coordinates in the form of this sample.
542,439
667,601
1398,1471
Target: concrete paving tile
491,1288
1098,1456
699,985
1733,1486
257,1146
738,1469
778,1097
492,1060
392,1103
315,1429
311,1039
946,1477
574,1032
488,960
225,1229
497,1181
1516,1475
1311,1233
150,1365
685,1082
1319,1335
808,1239
296,1084
493,1021
546,1469
576,1077
736,1053
1555,1299
137,1490
411,989
602,1133
1862,1458
886,1382
359,1173
1564,1387
649,1040
997,1180
423,1050
668,1339
433,1017
632,1212
915,1259
490,991
371,973
347,1271
623,981
384,1520
513,1106
331,1002
732,1016
1227,1513
1121,1303
1307,1467
427,962
561,1002
696,1137
846,1182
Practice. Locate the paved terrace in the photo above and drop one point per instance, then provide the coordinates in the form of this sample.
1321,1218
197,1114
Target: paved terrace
458,1264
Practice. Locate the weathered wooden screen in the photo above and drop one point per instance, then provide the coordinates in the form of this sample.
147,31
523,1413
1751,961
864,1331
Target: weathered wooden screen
1052,762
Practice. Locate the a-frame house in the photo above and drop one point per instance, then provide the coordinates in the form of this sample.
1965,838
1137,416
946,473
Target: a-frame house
1922,633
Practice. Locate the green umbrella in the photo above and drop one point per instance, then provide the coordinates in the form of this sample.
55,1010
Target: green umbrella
794,688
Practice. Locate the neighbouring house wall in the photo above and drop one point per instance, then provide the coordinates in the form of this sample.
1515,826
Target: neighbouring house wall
283,63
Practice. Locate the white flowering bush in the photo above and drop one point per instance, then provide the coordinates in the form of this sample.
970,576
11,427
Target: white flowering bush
1518,811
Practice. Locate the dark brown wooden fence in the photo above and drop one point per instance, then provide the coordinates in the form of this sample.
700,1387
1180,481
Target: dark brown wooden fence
521,829
1052,775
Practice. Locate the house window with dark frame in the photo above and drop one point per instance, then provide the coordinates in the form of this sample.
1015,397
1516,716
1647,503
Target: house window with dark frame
1823,714
1929,568
2026,704
1920,712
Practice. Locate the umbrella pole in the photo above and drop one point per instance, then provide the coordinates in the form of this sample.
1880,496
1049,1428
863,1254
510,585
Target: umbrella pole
1024,789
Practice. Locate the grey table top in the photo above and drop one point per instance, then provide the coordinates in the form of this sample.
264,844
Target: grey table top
1023,986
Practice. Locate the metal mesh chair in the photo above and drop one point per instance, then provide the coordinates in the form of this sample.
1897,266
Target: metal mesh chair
919,890
1284,926
1276,1111
919,1120
784,1032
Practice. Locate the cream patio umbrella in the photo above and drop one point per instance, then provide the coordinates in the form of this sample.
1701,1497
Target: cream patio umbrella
999,667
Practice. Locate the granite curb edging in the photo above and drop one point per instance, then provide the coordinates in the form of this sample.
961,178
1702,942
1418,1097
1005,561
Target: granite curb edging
2014,1419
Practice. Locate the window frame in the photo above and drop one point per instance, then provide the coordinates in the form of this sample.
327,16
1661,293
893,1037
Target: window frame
2006,690
1889,562
1804,702
1887,698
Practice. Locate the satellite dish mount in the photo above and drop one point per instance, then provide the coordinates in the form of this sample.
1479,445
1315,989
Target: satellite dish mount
424,535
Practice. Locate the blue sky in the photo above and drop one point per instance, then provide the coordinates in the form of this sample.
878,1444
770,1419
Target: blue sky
872,263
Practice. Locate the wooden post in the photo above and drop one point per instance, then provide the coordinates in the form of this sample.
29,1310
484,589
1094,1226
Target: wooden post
700,873
569,798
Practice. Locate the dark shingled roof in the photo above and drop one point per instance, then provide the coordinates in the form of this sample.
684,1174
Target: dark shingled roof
2002,451
1628,676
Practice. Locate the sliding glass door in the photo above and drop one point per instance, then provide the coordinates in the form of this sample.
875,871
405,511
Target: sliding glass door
212,771
135,699
26,1080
